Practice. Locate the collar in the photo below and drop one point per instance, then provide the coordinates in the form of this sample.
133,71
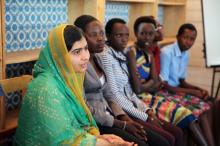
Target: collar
118,54
177,51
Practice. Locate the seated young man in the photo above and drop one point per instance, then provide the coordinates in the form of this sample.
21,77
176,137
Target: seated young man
174,60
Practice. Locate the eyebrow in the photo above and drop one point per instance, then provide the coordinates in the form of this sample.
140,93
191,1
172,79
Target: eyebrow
74,49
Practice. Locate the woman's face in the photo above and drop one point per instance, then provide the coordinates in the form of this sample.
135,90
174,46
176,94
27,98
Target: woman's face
119,36
146,33
159,33
79,55
95,37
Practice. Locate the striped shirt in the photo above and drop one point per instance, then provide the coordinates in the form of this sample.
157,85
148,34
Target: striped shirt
115,64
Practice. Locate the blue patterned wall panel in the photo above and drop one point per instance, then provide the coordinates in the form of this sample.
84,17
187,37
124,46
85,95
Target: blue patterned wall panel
13,100
18,69
27,22
160,14
14,70
116,9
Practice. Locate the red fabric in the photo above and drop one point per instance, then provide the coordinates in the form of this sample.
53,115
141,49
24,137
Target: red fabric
156,52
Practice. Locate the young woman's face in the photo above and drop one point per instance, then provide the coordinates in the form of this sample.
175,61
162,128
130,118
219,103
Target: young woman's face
79,55
95,37
119,36
159,32
146,33
186,39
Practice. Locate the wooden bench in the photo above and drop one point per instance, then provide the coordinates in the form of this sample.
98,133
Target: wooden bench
8,119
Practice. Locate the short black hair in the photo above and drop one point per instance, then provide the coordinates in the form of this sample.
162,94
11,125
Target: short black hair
83,20
143,19
186,26
71,35
109,25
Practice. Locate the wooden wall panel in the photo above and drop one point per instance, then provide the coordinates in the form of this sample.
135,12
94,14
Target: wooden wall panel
198,74
2,40
136,10
194,15
95,8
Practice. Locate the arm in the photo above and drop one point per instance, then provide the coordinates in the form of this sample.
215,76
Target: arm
124,122
112,140
204,92
109,97
153,72
182,89
165,61
99,113
116,109
136,83
126,104
165,73
185,84
196,90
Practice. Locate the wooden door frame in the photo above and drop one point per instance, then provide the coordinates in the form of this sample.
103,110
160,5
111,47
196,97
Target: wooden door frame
2,39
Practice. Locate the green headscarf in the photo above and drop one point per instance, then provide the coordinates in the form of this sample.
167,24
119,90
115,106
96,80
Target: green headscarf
53,110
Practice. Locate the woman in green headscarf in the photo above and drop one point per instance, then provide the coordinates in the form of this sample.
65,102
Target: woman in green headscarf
53,111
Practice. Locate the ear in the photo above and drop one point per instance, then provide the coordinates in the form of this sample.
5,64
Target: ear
107,36
136,34
177,36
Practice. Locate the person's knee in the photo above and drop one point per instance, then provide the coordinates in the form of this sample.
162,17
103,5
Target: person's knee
168,136
178,133
171,139
154,138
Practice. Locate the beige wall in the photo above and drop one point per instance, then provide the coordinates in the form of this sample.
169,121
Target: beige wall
194,15
198,73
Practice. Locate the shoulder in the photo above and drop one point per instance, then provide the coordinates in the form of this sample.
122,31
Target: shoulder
90,67
168,50
44,85
45,80
129,49
107,51
107,55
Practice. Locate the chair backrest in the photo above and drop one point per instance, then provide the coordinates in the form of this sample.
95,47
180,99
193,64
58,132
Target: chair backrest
8,86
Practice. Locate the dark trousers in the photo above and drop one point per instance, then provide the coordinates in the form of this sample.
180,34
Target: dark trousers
172,134
153,139
121,133
216,122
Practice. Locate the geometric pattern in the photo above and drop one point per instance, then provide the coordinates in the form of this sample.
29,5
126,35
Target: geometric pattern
13,100
27,22
116,10
121,10
18,69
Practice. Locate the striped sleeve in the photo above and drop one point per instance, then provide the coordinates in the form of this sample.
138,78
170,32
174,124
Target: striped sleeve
126,104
